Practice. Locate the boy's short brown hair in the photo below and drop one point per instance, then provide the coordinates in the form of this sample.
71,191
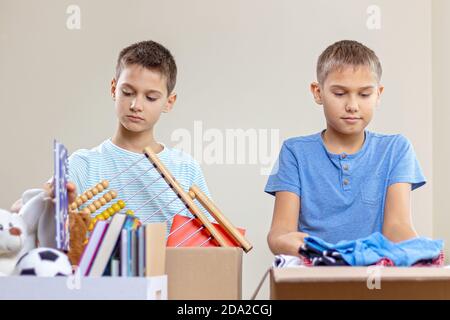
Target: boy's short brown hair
150,55
347,53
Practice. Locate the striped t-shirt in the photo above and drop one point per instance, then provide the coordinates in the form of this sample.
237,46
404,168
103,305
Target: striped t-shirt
141,187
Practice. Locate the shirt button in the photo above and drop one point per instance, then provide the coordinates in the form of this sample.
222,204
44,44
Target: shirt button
343,156
346,182
345,166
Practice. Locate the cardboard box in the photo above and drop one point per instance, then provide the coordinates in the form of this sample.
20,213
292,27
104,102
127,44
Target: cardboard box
204,273
359,283
83,288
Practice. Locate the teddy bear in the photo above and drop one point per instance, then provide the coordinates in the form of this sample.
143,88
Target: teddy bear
12,240
34,225
19,231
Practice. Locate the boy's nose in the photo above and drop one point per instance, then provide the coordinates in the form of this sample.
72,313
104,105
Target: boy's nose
352,106
136,105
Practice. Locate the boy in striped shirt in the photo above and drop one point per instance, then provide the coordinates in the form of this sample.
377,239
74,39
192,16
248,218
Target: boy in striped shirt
142,89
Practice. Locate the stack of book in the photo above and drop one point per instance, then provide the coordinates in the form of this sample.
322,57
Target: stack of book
122,247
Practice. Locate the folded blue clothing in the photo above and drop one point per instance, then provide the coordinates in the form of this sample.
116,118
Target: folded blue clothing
370,250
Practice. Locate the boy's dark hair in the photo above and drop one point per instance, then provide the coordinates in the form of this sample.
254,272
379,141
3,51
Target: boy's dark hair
347,53
150,55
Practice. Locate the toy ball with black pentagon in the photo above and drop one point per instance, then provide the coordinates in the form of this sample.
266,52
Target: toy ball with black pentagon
43,262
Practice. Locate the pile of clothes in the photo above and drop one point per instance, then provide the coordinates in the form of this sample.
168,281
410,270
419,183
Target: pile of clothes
373,250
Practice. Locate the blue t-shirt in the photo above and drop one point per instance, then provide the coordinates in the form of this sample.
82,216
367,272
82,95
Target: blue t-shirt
141,187
343,195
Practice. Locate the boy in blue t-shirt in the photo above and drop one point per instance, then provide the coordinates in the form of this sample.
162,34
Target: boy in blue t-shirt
345,182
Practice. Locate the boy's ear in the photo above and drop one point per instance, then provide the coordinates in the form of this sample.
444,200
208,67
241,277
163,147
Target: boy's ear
380,91
170,102
113,88
315,90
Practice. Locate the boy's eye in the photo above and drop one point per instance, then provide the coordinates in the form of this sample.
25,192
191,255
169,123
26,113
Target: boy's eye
126,93
339,94
365,95
152,99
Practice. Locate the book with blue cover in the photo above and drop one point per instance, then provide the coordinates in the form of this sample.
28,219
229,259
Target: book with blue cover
61,173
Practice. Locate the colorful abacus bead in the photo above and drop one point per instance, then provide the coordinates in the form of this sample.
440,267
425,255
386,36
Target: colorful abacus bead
92,208
105,214
121,204
79,202
100,187
97,204
89,194
105,184
107,197
111,211
130,212
92,224
116,207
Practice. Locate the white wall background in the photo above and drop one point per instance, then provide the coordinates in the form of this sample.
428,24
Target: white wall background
441,120
242,65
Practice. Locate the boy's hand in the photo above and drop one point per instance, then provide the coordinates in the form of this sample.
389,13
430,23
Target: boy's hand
71,191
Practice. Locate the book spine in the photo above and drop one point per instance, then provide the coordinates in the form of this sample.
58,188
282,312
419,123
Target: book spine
129,268
123,253
134,252
114,267
141,252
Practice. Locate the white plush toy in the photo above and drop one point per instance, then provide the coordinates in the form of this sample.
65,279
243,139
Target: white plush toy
21,232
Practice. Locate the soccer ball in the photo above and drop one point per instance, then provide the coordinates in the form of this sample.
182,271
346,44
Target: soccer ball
43,262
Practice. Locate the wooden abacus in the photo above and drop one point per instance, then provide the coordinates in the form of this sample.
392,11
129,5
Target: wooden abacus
186,197
97,204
